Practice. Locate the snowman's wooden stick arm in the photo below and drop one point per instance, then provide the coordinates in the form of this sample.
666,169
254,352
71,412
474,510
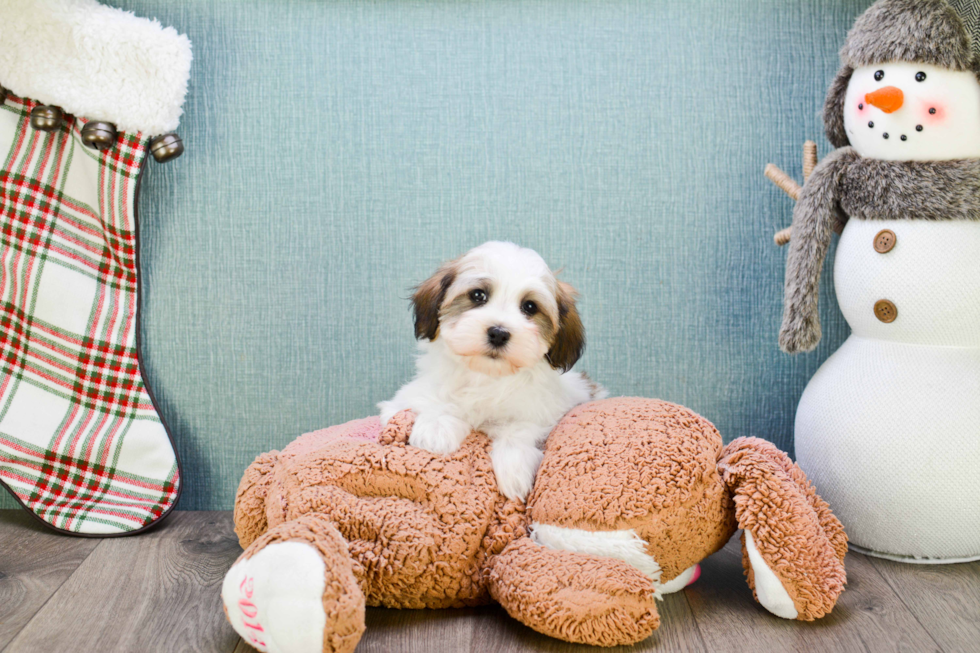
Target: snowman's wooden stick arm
789,186
783,181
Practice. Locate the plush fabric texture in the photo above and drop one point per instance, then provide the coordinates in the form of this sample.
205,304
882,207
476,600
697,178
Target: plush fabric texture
872,189
814,217
845,185
573,596
95,61
433,531
921,31
792,526
641,464
343,602
419,526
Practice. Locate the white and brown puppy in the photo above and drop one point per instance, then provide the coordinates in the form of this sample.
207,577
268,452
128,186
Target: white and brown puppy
498,334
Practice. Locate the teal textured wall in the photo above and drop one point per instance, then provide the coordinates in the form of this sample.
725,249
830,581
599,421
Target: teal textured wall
338,151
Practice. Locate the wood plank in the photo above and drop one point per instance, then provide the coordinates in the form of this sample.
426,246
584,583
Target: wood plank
497,632
945,599
414,631
243,647
868,617
34,563
491,630
159,591
419,631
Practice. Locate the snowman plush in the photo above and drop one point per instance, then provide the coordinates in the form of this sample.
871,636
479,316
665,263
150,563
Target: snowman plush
889,427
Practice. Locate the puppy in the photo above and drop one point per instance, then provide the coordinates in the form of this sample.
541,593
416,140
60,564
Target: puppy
497,335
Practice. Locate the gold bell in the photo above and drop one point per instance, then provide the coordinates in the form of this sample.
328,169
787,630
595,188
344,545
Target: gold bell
99,135
167,147
46,119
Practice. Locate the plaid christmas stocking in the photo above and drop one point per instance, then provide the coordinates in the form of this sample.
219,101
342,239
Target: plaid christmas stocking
81,443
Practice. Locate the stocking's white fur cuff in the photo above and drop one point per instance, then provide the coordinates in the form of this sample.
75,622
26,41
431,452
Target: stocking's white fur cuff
95,62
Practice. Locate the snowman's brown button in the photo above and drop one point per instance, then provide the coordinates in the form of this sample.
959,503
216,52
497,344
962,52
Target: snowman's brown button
885,241
885,311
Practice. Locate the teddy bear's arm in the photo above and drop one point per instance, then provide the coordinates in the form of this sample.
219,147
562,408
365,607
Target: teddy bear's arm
792,546
574,596
250,519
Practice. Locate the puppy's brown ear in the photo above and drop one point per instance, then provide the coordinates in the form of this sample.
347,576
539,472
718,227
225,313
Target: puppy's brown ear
570,338
428,298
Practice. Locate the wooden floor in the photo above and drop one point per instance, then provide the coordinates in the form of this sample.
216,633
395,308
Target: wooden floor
158,592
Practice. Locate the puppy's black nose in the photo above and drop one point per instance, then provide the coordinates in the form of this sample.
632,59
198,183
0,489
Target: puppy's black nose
497,336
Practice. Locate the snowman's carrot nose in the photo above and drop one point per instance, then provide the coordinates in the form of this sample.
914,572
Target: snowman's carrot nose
889,99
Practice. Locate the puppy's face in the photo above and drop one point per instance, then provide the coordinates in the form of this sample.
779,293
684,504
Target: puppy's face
500,307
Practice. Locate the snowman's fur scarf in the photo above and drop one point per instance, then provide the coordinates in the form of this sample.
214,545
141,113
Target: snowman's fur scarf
917,31
95,62
847,186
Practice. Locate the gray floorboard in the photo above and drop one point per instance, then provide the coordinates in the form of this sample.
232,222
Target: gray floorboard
945,599
34,564
160,592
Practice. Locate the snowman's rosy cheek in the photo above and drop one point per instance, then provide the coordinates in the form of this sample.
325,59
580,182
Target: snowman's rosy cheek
932,113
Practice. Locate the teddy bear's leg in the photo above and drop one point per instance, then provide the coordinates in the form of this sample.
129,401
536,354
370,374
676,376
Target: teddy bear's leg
576,597
294,590
792,545
250,519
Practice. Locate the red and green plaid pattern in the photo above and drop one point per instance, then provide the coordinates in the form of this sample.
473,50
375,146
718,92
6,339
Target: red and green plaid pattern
81,443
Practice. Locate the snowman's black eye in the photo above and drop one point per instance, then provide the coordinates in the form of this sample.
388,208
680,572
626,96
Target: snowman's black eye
879,75
920,77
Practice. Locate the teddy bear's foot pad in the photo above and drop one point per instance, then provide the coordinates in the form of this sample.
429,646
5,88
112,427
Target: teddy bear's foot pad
768,588
683,579
274,599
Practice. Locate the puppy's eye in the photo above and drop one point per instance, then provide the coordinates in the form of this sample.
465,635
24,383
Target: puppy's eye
920,77
478,296
529,308
879,75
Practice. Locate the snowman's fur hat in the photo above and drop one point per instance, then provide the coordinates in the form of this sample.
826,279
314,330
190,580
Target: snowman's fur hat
916,31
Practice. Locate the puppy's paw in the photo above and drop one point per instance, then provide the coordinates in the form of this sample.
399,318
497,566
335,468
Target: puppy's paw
388,410
515,468
438,433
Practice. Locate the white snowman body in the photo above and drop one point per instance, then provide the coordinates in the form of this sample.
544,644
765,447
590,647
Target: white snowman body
889,427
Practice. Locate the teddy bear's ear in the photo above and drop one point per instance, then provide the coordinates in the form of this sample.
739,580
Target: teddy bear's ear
569,340
427,300
797,528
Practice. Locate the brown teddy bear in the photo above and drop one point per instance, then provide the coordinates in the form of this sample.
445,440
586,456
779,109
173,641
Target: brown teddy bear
631,495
